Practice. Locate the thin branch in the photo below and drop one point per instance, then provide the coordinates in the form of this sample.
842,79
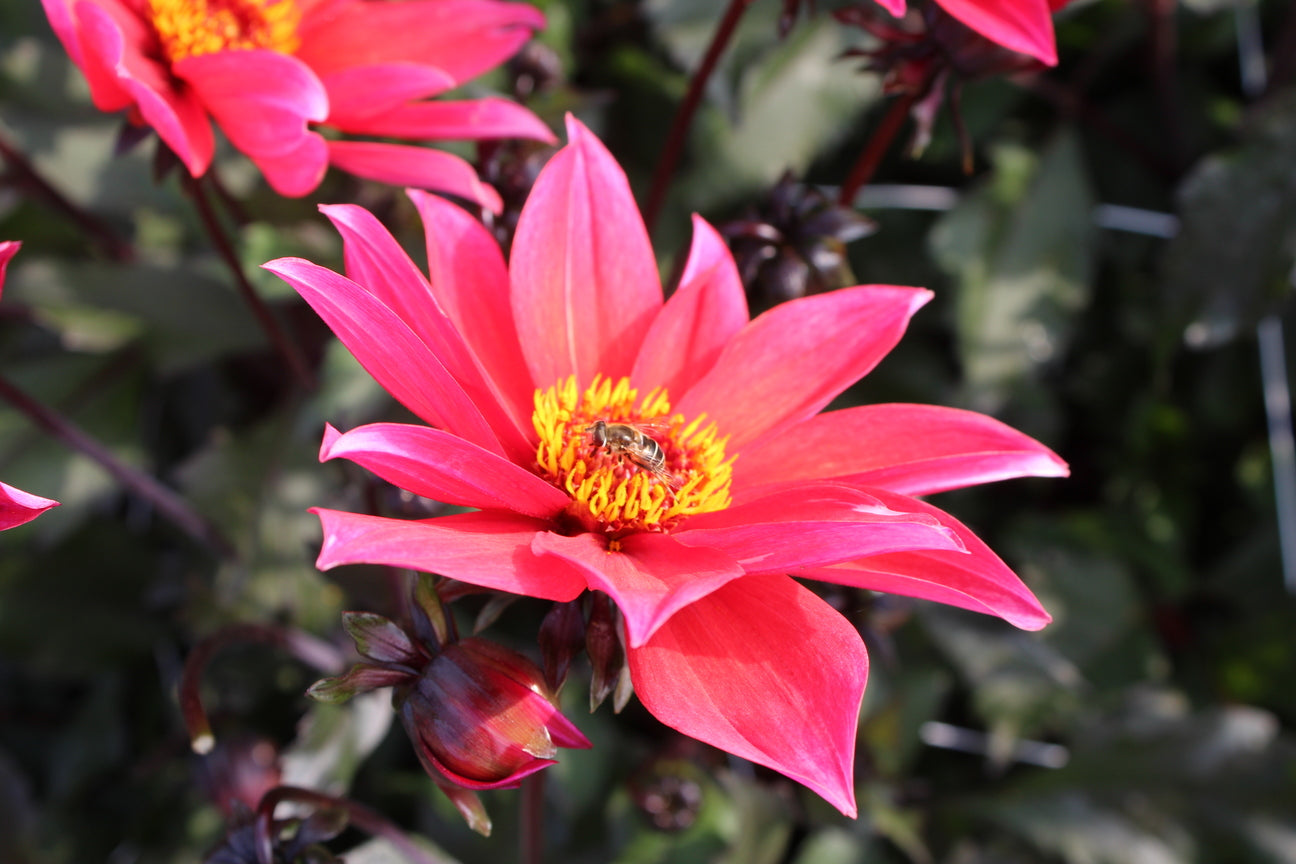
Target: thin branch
532,818
312,651
278,337
369,821
1072,103
25,175
684,115
877,146
168,504
1163,38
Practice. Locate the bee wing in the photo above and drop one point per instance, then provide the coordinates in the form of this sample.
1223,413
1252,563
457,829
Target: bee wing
669,479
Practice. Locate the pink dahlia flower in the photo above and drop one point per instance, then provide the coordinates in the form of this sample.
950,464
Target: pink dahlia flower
1025,26
694,533
17,506
267,70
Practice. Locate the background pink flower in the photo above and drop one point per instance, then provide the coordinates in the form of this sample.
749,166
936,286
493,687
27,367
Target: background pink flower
17,506
266,70
1025,26
514,363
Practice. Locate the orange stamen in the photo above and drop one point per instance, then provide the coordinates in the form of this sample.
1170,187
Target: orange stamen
610,491
188,28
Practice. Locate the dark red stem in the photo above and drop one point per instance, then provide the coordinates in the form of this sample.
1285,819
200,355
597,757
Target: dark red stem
24,174
168,504
684,115
876,148
1163,36
312,651
278,337
532,828
1284,53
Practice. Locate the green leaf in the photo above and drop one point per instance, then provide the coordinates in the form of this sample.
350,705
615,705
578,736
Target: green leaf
832,846
181,314
772,104
332,741
1151,781
1020,250
378,638
1232,257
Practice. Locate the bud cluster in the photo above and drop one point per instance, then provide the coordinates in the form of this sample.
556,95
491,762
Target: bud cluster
480,715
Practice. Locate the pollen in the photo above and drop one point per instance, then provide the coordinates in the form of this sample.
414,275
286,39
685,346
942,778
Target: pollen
188,28
626,484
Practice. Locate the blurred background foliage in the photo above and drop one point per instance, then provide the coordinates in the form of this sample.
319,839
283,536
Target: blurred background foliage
1151,722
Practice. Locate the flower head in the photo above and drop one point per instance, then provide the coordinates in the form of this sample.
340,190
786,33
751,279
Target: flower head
479,715
712,477
1024,26
266,70
927,61
16,506
793,243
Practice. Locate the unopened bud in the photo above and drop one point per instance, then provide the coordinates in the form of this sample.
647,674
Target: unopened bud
481,717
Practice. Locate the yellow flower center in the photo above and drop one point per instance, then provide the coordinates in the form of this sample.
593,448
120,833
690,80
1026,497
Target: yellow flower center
188,28
641,468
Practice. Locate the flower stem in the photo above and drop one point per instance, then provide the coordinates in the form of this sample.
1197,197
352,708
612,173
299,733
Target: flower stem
1283,54
532,821
278,337
878,144
684,115
306,648
170,505
1162,38
23,174
358,815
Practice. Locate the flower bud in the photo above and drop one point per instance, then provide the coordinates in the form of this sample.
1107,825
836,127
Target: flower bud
793,243
562,636
481,717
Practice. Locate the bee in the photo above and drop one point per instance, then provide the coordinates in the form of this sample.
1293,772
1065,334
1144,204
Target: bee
637,446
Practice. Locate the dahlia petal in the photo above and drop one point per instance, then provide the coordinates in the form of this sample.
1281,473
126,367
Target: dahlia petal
391,352
474,119
177,116
763,669
97,49
424,737
443,467
464,38
364,91
407,165
18,507
585,283
565,733
707,310
469,279
299,171
8,248
261,99
59,13
650,578
487,548
375,260
790,362
1025,26
976,579
895,7
911,449
814,525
